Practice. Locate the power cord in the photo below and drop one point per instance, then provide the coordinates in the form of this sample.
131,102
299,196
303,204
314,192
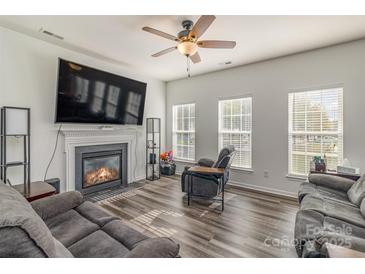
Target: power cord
135,154
53,154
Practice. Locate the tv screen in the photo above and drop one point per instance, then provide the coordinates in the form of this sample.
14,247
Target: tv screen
87,95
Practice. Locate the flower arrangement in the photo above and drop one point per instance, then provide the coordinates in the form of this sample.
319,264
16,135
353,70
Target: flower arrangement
166,156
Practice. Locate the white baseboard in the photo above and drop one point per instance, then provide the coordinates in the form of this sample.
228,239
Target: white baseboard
139,178
264,189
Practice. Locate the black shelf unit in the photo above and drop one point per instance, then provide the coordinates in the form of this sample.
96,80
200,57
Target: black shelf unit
153,144
4,164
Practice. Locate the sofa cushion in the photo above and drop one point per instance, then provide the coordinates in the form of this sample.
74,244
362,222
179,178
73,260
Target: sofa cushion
341,227
357,192
61,250
95,213
54,205
315,227
307,188
15,243
346,241
15,211
161,247
70,227
123,233
331,181
331,208
98,245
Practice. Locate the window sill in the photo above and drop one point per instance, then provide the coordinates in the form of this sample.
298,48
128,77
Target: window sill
183,161
242,169
296,177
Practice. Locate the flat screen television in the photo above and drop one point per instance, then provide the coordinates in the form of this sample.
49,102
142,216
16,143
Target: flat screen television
88,95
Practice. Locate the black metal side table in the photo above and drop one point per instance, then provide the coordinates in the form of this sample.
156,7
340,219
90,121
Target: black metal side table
199,171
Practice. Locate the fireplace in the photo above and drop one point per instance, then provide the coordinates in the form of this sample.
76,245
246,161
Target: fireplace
100,167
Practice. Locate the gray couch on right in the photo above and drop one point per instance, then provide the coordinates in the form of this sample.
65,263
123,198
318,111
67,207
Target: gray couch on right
332,209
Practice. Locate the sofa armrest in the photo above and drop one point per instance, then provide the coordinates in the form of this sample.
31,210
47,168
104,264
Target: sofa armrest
205,162
331,181
51,206
161,247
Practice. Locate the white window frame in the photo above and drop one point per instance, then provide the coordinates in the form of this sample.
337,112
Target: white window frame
175,132
221,131
339,133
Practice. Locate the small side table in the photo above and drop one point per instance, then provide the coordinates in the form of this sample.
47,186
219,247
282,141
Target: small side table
348,176
199,170
38,190
335,251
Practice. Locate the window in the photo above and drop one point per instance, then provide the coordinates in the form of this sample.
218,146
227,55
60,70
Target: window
235,128
315,128
183,139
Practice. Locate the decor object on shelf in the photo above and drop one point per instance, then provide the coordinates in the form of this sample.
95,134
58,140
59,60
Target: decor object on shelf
167,165
153,143
187,39
15,123
152,158
319,164
346,168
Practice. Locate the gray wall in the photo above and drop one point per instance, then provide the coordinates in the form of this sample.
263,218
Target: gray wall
28,78
269,83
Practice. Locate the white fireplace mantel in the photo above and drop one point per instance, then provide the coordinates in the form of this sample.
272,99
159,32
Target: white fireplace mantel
76,138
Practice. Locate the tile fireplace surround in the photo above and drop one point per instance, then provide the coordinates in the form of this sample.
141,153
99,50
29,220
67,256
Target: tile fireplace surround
77,138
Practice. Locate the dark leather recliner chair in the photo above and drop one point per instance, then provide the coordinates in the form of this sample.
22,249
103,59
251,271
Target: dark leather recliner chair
205,185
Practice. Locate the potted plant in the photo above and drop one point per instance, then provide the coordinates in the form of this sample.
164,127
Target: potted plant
167,165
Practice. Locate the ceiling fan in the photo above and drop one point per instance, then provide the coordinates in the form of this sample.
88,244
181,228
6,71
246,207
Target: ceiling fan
187,39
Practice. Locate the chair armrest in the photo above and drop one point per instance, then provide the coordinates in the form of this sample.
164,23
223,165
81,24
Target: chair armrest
205,162
51,206
331,181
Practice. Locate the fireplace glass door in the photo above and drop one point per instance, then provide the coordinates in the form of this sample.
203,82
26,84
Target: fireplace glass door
100,169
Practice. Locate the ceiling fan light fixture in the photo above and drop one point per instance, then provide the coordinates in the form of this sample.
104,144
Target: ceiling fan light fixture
187,48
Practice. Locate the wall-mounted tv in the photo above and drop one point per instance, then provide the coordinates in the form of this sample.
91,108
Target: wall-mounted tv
88,95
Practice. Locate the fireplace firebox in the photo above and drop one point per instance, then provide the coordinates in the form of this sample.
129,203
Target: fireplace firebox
99,167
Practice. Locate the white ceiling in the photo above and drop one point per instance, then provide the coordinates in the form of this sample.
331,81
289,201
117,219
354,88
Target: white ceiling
120,38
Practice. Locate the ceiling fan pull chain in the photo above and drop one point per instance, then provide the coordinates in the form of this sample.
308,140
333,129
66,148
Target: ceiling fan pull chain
188,65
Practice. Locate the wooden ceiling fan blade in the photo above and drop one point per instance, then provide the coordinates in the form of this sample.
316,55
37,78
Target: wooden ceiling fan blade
201,26
195,58
217,44
162,52
161,33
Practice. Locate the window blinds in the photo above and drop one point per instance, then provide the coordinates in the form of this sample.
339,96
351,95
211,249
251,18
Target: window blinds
235,128
315,128
184,132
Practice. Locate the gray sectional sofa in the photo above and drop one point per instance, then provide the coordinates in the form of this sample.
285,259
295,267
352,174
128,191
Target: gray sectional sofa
332,209
66,226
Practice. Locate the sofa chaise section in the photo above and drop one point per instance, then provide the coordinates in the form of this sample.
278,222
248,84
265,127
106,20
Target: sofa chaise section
65,225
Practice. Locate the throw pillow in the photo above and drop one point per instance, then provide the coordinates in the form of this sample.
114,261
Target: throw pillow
357,192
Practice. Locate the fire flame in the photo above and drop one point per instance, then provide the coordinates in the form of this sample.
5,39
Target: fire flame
100,175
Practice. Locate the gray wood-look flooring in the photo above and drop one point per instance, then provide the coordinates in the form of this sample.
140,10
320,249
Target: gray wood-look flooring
252,224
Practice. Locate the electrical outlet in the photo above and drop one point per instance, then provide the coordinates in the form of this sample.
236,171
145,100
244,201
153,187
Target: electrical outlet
266,173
